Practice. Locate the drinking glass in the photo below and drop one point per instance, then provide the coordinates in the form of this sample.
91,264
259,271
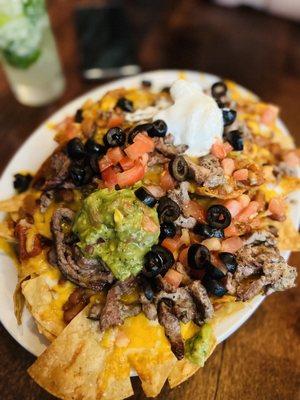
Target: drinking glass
28,52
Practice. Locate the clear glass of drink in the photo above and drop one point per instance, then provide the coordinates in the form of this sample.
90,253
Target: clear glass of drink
28,52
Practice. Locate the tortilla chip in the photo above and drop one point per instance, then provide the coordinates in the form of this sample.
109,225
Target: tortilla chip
6,232
289,237
70,368
182,371
289,184
219,193
12,204
19,303
45,298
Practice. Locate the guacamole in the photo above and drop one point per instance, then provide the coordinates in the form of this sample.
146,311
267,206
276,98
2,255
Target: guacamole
117,227
200,346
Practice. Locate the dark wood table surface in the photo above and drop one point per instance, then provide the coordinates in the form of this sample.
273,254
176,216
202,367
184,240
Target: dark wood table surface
262,359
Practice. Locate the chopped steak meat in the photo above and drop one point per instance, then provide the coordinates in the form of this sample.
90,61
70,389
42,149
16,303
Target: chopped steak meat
172,328
166,147
76,302
46,199
260,268
184,306
114,311
156,158
199,294
88,274
208,172
185,222
148,307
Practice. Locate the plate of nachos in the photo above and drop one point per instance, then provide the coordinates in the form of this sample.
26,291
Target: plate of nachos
142,224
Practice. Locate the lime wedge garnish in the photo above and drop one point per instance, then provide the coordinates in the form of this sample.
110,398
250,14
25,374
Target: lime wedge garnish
21,61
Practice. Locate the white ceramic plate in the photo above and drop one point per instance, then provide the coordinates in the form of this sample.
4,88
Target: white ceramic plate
31,155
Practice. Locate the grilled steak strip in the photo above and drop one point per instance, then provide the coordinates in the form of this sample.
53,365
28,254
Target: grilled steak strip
114,311
204,307
91,274
172,328
166,146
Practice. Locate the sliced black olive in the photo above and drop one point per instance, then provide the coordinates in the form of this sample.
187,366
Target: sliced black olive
159,128
75,149
235,138
179,168
157,261
218,216
166,255
229,116
218,89
153,264
114,137
145,196
125,104
167,229
146,83
22,182
168,210
94,163
80,175
197,256
137,129
93,147
79,116
208,231
213,286
213,271
229,261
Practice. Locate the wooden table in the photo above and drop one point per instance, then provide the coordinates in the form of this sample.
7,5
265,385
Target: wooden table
261,360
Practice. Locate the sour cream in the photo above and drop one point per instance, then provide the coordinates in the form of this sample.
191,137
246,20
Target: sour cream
194,119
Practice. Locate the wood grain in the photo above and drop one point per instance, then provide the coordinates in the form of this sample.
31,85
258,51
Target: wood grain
261,360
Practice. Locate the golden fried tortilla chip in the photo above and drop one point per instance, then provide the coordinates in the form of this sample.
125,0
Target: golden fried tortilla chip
219,192
70,368
12,204
182,371
45,297
288,235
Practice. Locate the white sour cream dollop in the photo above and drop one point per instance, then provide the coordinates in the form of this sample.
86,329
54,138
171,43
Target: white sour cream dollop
194,119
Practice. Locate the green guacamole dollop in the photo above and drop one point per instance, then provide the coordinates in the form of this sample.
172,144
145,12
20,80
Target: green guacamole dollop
200,346
117,227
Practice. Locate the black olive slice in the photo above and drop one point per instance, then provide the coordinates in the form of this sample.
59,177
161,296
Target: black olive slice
213,271
79,116
92,147
22,182
159,128
114,137
229,261
125,104
179,168
166,255
208,231
213,286
229,116
75,149
219,89
145,196
167,229
168,210
218,216
157,261
197,256
235,138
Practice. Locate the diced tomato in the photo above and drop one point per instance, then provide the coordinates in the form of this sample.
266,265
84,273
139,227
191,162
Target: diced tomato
142,144
131,176
173,278
260,198
228,166
172,244
183,257
291,159
277,208
216,260
269,115
244,200
231,230
241,174
194,209
149,225
105,163
115,154
220,149
233,244
126,163
144,159
115,120
248,212
109,176
166,181
234,207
